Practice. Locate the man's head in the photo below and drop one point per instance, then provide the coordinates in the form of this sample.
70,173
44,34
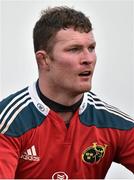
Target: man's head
54,19
65,52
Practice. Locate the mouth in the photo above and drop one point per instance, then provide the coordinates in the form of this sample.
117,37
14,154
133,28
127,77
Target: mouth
85,73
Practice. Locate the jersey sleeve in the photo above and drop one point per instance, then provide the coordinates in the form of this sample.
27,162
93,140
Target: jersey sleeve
9,155
125,154
11,129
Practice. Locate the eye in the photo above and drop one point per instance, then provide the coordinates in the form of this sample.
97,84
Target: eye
91,48
75,49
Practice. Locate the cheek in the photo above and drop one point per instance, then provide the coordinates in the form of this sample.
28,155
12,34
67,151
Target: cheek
67,66
94,60
64,64
62,70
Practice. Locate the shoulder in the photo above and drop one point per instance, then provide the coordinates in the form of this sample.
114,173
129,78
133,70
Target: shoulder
18,113
94,111
13,102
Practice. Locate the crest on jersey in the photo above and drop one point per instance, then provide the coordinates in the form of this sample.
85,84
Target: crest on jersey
94,153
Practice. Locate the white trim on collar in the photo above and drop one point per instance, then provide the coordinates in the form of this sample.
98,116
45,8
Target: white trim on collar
44,109
83,104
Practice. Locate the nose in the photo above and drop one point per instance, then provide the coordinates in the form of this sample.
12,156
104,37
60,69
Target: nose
88,57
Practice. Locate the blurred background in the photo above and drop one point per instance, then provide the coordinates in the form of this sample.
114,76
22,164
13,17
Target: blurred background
113,24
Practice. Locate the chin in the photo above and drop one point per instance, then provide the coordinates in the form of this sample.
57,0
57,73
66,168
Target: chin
87,89
84,89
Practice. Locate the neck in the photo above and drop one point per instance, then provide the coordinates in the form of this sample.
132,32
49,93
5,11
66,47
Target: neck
63,97
64,111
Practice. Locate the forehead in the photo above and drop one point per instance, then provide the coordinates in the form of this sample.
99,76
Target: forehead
70,36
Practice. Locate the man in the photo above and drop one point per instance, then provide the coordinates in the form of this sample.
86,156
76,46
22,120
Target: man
57,128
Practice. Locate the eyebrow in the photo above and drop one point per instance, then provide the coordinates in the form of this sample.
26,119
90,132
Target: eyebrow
93,43
80,45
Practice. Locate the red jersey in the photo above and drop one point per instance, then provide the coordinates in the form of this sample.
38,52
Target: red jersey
35,142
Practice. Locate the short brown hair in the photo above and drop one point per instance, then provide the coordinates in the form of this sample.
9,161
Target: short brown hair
54,19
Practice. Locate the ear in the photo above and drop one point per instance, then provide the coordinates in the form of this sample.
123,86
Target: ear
42,58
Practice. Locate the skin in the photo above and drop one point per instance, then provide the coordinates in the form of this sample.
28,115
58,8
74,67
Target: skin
61,74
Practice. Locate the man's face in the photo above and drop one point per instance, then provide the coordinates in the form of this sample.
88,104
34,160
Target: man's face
73,60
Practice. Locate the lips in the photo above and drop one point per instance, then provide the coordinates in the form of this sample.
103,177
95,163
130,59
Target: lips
85,73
